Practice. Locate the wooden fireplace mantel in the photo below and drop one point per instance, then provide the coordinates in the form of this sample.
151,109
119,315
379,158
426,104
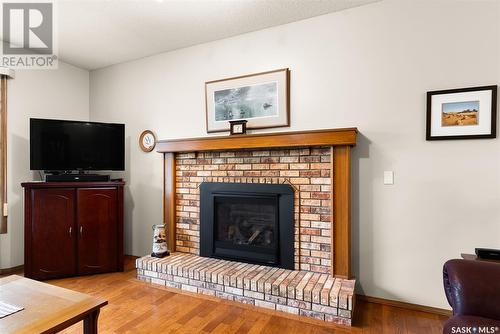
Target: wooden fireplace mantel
328,137
339,140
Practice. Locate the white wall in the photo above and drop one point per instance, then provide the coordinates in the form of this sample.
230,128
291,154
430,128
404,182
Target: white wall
368,67
61,93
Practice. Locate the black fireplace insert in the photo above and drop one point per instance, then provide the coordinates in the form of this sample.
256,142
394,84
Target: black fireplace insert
248,222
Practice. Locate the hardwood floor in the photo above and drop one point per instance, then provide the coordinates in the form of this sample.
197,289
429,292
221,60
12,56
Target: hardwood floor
137,307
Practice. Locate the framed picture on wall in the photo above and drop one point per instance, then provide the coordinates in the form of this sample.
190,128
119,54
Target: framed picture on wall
262,99
466,113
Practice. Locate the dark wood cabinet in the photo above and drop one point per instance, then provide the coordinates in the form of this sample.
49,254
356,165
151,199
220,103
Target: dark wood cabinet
97,226
53,235
73,228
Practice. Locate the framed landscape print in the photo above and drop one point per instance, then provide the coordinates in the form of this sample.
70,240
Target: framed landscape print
466,113
262,99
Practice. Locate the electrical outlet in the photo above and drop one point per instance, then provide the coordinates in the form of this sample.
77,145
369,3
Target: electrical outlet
388,177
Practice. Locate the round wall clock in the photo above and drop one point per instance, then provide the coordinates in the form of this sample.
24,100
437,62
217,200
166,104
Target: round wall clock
147,141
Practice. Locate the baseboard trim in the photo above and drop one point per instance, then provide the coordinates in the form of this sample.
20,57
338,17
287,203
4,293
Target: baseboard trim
13,270
408,306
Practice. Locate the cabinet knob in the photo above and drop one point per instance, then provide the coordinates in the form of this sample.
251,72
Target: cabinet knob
81,230
70,231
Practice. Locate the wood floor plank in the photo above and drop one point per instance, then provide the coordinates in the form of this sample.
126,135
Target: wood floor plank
138,307
253,320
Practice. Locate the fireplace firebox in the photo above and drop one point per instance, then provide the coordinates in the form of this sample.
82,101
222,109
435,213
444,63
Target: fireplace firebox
248,222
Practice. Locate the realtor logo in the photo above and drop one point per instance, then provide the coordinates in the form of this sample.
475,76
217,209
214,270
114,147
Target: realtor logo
28,29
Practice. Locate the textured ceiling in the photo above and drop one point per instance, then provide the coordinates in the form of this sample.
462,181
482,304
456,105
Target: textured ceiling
97,33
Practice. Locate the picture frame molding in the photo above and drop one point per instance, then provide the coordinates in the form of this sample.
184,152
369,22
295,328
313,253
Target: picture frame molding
493,89
287,99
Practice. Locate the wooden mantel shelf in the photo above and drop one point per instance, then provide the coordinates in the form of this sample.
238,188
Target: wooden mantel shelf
327,137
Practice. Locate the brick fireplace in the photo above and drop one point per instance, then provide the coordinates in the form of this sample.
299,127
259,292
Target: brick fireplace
315,168
307,170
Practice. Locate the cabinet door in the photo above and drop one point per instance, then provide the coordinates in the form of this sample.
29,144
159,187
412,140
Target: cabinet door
53,235
97,229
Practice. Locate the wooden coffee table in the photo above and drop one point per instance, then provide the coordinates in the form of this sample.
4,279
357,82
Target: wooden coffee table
47,308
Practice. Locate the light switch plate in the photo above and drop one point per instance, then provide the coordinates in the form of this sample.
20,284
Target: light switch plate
388,177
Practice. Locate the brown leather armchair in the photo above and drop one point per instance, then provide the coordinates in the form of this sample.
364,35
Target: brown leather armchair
473,291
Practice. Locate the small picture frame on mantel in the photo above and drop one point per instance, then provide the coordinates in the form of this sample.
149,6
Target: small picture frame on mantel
238,127
464,113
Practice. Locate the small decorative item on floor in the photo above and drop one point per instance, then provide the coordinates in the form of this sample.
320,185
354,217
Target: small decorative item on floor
160,248
238,127
466,113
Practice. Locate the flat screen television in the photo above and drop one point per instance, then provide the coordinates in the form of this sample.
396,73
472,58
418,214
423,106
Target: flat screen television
61,145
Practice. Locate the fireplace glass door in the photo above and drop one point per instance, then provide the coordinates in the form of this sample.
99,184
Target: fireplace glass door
247,227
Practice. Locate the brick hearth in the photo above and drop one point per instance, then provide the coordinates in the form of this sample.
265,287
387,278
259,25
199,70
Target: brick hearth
306,293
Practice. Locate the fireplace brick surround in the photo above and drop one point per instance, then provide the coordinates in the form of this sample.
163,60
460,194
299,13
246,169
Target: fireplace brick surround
306,169
316,164
248,222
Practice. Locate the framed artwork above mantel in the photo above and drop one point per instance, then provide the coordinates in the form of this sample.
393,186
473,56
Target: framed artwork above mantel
262,99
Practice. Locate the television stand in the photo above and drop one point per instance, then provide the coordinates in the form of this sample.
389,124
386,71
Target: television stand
72,228
80,177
